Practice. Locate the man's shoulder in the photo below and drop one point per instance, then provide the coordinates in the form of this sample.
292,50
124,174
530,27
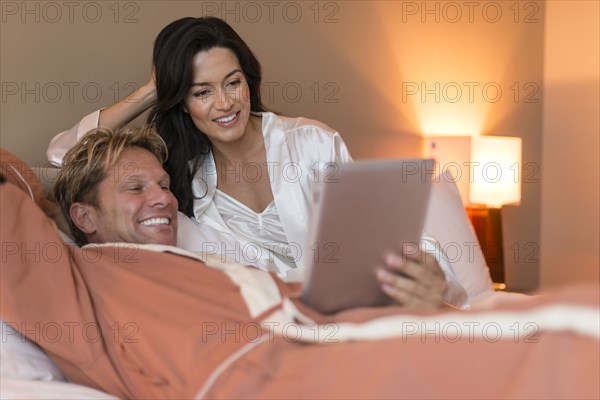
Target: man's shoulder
160,248
211,260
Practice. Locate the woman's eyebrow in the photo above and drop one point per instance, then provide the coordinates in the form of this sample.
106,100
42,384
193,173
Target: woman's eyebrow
226,76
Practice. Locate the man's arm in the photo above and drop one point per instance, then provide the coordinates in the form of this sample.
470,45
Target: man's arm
36,268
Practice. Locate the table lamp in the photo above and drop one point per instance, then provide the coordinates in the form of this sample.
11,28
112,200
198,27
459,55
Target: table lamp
487,170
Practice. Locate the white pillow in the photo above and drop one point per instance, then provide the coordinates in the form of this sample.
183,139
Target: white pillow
447,222
13,388
21,358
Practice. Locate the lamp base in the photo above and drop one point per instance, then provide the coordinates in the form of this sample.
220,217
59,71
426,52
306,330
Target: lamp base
488,228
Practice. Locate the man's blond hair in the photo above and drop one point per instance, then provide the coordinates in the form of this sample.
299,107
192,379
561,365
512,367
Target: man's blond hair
87,164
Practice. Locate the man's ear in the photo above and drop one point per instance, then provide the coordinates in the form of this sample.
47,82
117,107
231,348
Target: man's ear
83,217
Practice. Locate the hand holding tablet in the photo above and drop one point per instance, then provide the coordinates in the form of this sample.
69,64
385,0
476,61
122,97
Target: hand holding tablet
374,208
413,280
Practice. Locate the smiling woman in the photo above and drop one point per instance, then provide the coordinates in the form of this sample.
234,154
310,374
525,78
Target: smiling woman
218,100
219,106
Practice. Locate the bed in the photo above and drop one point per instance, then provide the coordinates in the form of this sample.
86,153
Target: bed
509,345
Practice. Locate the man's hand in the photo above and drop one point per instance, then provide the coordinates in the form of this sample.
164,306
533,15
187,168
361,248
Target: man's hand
414,281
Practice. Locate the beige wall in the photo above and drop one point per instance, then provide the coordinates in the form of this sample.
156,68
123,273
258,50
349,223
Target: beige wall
570,239
382,73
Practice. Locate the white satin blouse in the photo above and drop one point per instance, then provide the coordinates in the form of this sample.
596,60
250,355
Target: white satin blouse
263,229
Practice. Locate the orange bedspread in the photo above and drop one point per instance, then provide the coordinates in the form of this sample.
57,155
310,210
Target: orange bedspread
142,324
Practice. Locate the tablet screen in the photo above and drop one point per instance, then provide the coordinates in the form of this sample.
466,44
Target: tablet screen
370,209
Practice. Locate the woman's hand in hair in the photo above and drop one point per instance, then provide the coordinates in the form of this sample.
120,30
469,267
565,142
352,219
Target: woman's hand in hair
129,108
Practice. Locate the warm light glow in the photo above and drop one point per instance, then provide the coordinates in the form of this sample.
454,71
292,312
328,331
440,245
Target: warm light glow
496,168
486,169
442,120
452,154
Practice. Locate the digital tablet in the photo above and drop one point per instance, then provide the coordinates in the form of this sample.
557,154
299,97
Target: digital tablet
363,211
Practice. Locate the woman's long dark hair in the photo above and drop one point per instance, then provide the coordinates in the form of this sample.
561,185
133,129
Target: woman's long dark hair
174,51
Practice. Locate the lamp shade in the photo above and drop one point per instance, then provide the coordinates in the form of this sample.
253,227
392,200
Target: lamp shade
496,169
486,168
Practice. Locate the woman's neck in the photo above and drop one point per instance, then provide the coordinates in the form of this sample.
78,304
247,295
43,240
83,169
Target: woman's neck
248,148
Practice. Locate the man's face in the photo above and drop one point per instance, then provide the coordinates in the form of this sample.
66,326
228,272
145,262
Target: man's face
135,203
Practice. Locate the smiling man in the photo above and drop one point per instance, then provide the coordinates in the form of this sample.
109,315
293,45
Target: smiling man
114,189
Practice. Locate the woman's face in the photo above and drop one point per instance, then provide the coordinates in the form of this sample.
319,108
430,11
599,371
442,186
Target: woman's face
219,99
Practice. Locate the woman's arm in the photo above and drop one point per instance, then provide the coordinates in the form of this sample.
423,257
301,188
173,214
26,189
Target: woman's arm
113,117
132,106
